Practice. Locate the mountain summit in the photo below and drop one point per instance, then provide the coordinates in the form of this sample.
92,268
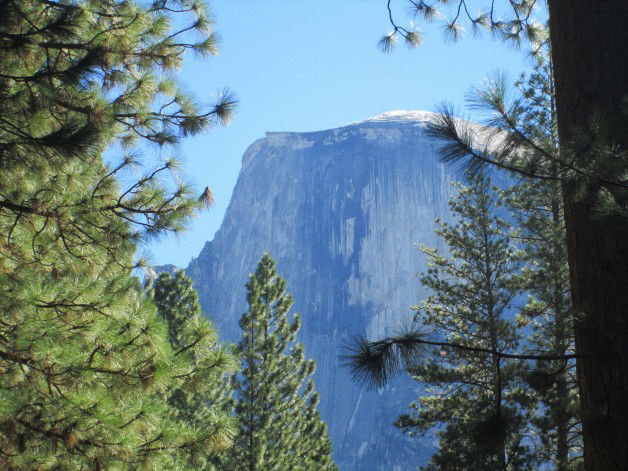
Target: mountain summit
399,116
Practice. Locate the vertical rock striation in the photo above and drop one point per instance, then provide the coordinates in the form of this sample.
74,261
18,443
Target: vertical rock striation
341,211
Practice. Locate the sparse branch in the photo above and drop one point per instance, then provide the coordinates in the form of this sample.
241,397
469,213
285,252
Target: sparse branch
375,362
522,23
458,144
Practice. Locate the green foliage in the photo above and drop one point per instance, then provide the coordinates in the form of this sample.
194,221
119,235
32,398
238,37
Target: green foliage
520,27
541,331
202,400
279,424
520,135
537,207
591,167
548,318
84,357
475,396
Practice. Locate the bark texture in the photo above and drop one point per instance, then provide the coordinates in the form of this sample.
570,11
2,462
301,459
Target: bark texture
590,55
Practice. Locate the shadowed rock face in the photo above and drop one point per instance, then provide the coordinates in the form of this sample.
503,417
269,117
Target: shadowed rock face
341,211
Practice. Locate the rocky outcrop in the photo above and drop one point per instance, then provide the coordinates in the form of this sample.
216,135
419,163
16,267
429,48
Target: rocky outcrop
342,212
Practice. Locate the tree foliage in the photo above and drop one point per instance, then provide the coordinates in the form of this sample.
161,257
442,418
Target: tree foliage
84,358
544,325
476,397
513,22
279,424
547,317
510,140
537,209
203,400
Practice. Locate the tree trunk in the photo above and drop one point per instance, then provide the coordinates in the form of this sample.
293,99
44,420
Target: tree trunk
562,333
562,426
590,56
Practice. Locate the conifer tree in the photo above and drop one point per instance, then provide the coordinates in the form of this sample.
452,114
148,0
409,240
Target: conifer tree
537,208
84,358
203,401
548,318
279,424
475,395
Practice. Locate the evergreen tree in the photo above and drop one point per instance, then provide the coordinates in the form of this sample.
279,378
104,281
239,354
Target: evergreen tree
475,395
537,205
537,208
203,401
548,316
279,425
84,358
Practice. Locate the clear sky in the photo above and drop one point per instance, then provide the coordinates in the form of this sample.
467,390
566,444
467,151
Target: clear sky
307,65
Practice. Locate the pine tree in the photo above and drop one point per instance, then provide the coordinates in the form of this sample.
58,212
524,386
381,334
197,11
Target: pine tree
475,395
204,400
84,357
279,425
548,317
537,208
537,205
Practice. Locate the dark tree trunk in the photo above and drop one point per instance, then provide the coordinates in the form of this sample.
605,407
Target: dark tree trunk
562,426
590,56
561,335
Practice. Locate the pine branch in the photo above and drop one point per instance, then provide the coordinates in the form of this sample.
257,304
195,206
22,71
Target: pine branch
374,363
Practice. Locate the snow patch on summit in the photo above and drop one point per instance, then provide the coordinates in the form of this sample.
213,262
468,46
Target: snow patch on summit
400,116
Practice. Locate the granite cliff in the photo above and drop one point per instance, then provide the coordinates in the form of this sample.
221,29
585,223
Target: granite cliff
342,212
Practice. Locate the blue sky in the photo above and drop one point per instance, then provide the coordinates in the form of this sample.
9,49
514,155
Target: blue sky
307,65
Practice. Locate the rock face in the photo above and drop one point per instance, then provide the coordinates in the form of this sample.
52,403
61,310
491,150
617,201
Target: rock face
342,212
